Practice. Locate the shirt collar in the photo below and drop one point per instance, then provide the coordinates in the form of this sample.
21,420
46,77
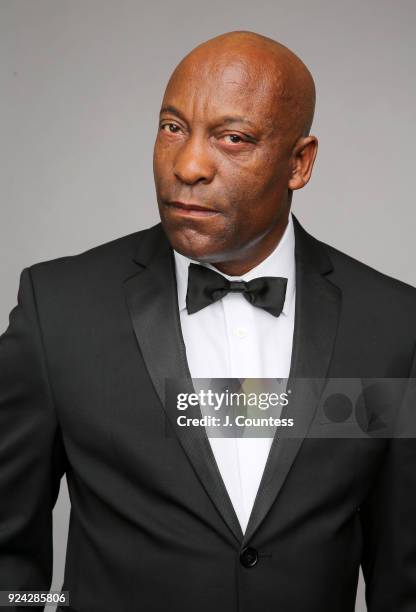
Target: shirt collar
280,262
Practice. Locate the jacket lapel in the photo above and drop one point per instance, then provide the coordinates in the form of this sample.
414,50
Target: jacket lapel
316,320
152,301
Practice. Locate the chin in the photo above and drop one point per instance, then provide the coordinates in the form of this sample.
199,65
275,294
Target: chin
198,248
195,252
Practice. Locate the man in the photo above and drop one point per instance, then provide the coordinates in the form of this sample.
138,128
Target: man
177,521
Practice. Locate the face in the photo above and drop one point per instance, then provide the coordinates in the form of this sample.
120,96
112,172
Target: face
222,162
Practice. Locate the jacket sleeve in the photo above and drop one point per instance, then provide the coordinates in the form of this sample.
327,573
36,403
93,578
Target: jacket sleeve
32,458
389,525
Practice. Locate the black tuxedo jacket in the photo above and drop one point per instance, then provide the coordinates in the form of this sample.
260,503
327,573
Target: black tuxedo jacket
152,528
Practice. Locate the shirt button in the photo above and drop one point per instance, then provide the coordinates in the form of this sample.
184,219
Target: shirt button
249,556
240,332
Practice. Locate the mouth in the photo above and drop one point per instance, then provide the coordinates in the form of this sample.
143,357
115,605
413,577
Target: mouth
191,209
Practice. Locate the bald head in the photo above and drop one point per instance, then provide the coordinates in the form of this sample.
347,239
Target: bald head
233,144
265,65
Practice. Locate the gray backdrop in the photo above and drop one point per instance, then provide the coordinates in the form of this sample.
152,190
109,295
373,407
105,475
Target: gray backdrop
80,86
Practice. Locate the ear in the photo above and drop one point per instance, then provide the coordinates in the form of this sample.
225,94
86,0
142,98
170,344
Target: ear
303,157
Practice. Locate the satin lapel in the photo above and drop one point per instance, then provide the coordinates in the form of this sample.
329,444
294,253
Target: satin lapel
152,300
316,320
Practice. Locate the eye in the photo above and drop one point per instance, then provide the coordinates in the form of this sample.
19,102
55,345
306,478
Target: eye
234,138
171,128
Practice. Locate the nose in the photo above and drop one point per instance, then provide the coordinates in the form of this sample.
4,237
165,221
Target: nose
194,163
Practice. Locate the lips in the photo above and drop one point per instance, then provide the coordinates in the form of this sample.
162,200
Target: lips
191,208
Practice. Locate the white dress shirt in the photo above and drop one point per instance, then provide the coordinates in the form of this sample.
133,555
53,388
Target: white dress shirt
231,338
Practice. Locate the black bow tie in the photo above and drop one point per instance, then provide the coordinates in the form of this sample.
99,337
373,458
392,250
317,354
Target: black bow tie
206,286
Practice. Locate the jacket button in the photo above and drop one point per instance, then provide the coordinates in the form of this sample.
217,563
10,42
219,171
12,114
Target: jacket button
249,556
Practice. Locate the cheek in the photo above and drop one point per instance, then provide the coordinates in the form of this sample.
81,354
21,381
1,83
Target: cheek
254,203
162,160
247,193
254,177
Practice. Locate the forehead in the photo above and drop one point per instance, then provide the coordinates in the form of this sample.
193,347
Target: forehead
208,87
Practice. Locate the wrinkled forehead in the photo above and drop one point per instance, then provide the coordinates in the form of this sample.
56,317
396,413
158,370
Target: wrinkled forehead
205,86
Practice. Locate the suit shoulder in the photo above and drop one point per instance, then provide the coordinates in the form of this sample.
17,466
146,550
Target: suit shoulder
347,272
372,294
108,257
364,276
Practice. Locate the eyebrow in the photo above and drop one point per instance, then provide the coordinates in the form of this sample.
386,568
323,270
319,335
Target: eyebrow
173,110
236,119
221,121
